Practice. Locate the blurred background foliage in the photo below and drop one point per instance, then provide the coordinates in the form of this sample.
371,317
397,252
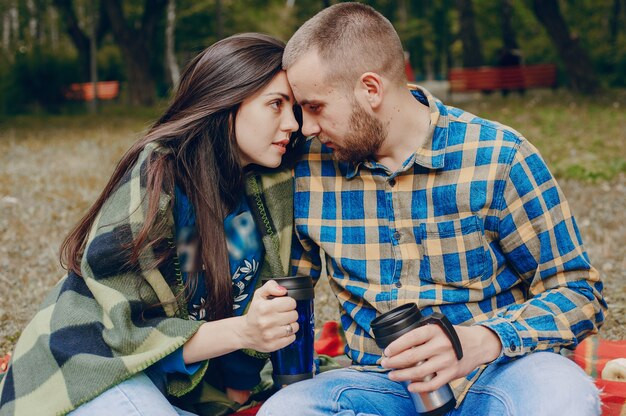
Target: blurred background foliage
46,44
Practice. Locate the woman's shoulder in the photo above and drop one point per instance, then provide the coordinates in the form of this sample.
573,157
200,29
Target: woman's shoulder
268,181
152,150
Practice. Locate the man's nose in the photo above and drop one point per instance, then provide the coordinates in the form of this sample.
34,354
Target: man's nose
309,126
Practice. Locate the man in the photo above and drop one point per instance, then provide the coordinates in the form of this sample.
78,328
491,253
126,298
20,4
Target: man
417,202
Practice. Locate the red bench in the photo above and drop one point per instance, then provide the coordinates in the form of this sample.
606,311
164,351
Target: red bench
107,90
502,78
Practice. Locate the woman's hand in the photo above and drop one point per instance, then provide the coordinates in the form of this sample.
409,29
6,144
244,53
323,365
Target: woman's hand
269,325
239,396
271,321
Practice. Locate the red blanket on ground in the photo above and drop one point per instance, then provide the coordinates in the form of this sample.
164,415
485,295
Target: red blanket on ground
591,355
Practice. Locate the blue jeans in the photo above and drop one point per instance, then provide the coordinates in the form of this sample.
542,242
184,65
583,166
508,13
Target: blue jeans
137,396
542,383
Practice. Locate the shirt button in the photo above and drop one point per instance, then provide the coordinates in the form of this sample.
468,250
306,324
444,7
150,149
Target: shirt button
398,284
513,347
397,235
392,182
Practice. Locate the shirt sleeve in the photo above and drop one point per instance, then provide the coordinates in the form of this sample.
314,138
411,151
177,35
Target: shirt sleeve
174,363
305,258
541,242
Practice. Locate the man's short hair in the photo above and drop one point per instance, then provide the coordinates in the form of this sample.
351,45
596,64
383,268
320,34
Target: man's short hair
350,39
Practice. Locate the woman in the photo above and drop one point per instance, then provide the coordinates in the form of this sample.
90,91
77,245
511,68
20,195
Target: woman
163,265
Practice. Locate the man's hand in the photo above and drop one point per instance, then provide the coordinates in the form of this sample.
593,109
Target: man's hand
428,351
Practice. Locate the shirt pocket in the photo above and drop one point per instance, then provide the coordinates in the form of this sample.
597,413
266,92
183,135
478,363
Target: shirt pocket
453,252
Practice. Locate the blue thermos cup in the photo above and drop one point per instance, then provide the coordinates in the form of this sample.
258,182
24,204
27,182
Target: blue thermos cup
295,361
392,325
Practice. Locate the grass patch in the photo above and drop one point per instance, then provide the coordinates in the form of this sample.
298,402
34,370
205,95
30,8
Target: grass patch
581,138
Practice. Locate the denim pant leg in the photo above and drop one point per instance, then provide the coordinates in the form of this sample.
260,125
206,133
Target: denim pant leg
137,396
342,392
542,383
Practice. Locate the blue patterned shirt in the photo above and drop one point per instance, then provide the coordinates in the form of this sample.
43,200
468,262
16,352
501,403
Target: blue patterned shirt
245,251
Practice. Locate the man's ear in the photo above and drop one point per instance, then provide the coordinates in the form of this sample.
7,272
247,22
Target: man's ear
370,89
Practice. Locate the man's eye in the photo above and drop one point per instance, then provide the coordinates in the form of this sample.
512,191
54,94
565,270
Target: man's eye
314,108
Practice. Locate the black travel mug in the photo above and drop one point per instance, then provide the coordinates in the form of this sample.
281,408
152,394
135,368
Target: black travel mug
392,325
295,361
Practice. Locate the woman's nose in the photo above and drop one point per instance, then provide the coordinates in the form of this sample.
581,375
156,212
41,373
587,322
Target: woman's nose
290,123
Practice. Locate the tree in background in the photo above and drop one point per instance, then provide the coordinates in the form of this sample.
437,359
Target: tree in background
43,42
577,63
135,38
80,36
472,50
509,39
170,50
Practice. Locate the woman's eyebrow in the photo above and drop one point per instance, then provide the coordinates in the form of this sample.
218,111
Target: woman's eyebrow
285,96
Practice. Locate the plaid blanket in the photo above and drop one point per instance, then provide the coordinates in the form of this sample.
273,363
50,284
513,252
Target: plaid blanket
94,331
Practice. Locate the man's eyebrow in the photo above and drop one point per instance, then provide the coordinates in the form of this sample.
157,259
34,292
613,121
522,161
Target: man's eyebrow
285,96
309,102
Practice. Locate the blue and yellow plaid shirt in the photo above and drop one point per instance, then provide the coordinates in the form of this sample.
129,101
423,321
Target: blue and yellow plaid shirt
472,225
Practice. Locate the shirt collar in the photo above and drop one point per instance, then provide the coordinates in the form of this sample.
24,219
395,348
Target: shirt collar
431,154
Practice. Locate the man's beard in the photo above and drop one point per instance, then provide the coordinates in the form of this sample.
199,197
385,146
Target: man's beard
365,136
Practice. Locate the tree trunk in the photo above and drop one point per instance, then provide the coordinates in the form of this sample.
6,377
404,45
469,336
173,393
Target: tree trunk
402,13
79,38
416,45
15,21
170,54
577,63
93,62
442,38
472,51
219,20
614,19
136,45
6,31
509,40
32,20
54,27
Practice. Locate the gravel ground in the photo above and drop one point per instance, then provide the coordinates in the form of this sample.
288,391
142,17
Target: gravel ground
50,176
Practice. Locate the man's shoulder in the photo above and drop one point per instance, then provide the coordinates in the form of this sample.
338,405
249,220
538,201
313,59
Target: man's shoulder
465,126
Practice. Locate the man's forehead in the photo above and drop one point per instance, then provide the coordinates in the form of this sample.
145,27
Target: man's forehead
305,72
306,78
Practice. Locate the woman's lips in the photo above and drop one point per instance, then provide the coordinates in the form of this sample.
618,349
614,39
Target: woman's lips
281,146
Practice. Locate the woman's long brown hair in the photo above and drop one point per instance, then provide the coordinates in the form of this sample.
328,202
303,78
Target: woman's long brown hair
198,127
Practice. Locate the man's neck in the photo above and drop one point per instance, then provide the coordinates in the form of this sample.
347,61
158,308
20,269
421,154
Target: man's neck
408,122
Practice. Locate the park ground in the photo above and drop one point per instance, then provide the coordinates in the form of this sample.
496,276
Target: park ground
53,167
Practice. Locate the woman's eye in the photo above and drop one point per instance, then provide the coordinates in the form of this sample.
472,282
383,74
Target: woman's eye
276,104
